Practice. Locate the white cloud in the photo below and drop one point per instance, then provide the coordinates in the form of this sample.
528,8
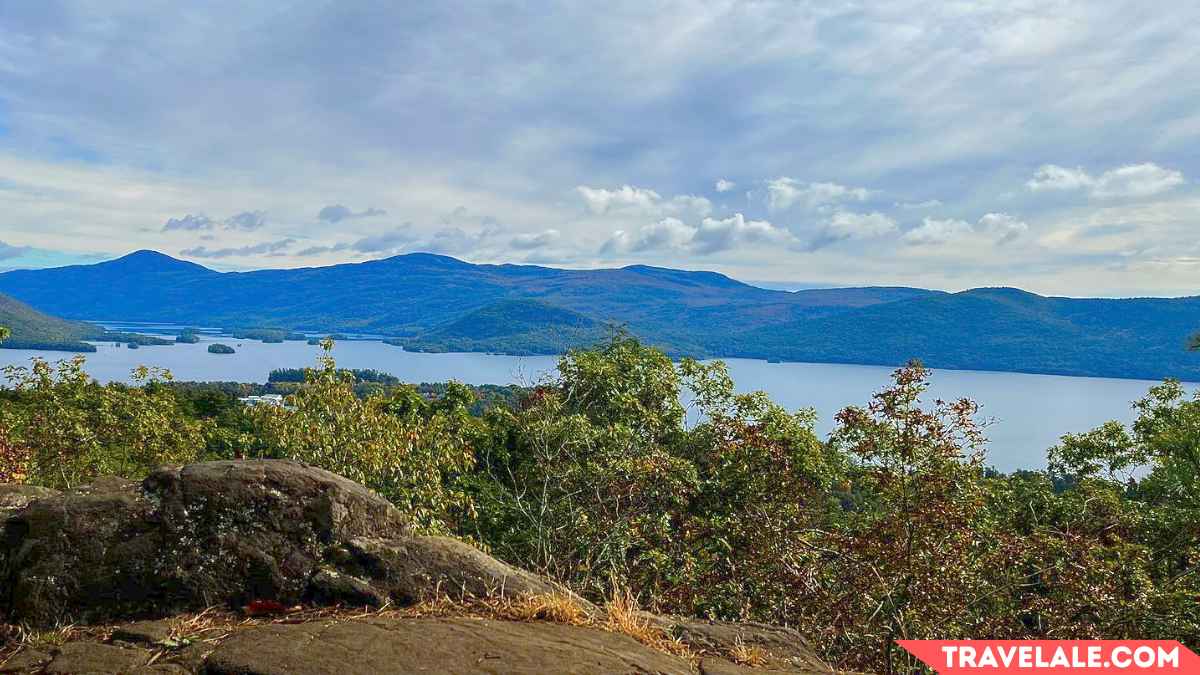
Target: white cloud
628,199
1136,180
498,111
995,228
783,193
723,185
727,233
861,225
1002,227
1130,181
1054,177
601,200
935,231
713,235
666,234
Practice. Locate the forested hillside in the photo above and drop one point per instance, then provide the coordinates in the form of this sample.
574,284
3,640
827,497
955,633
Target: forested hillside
431,302
31,329
1003,329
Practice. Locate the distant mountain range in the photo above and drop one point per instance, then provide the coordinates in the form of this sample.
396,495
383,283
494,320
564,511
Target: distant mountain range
433,302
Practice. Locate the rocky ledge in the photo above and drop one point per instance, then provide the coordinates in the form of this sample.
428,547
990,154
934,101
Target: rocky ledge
277,567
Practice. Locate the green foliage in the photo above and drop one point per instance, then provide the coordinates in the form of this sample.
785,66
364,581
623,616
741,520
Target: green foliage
399,444
218,348
578,478
60,428
596,477
892,529
728,507
1165,441
910,550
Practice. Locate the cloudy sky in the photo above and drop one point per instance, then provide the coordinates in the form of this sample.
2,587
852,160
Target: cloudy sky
1048,144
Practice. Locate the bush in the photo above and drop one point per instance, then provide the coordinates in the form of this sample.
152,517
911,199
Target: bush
60,428
399,444
596,479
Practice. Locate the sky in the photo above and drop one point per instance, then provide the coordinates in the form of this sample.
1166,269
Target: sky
1050,145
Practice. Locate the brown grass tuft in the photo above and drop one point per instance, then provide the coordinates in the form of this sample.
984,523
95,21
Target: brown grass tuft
214,625
749,655
552,607
625,617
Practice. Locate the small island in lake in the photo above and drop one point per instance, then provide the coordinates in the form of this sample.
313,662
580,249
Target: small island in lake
218,348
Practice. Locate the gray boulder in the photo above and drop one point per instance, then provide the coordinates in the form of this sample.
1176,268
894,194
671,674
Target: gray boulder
451,645
228,533
14,497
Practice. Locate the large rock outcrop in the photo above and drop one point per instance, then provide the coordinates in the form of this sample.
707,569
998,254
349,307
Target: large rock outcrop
452,645
232,533
226,533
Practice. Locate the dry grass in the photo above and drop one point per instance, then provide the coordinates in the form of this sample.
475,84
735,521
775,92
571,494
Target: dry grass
552,607
625,617
212,626
15,639
749,655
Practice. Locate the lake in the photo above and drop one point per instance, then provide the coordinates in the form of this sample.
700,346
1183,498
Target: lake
1028,412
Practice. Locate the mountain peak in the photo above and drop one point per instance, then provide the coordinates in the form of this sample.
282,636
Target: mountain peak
714,279
427,259
1005,292
147,260
146,254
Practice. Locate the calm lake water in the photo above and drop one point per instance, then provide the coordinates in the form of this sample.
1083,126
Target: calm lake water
1028,412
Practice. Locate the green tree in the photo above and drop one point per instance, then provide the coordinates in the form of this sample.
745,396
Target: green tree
1138,490
399,444
765,484
580,478
907,557
596,478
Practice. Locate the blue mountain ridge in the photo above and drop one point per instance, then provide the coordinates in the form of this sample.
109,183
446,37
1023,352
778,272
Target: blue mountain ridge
435,302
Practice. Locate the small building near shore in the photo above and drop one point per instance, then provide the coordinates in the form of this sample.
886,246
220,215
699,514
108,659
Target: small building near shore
265,399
